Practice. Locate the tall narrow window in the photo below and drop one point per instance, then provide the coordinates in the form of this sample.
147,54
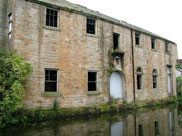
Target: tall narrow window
50,80
140,130
92,81
115,40
10,25
51,17
169,78
153,43
154,73
137,38
139,78
91,25
156,126
166,47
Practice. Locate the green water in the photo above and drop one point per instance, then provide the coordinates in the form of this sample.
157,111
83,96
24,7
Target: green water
161,122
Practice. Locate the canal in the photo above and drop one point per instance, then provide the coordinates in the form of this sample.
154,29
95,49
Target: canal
159,122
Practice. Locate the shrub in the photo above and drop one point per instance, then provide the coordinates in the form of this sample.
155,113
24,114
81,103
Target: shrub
179,85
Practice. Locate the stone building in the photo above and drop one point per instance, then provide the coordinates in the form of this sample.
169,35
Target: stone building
81,57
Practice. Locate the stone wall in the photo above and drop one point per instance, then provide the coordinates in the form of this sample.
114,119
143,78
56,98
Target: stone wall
73,52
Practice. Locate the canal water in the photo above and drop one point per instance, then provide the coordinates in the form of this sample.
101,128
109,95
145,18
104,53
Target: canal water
161,122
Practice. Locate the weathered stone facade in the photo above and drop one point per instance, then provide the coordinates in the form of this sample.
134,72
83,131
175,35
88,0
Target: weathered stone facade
72,52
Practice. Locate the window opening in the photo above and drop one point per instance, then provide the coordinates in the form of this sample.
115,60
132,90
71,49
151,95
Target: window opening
137,38
154,78
156,125
92,81
169,79
139,78
153,43
115,40
51,17
91,26
166,46
10,25
50,80
140,130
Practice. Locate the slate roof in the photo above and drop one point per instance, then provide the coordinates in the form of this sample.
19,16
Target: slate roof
62,4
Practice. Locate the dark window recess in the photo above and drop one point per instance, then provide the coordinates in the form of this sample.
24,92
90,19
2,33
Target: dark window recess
51,17
154,78
92,81
115,41
166,47
137,38
139,81
153,43
91,26
140,130
156,125
50,80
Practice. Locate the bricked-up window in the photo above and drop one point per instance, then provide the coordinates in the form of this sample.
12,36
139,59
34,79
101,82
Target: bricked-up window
115,40
153,43
139,78
156,126
166,46
51,17
137,38
50,80
92,81
91,23
10,25
140,130
154,78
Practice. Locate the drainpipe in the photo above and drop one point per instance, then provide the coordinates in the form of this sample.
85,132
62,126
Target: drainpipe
133,64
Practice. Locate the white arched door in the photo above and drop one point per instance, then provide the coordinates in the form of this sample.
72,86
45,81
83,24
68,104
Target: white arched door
116,85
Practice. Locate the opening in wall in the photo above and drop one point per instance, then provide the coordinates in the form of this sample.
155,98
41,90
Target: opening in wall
115,41
92,81
50,80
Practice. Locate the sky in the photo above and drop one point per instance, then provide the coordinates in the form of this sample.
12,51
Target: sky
162,17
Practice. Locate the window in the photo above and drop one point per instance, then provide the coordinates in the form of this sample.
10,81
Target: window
10,25
169,78
51,17
92,81
91,26
153,43
154,73
115,40
50,80
137,38
140,130
139,78
156,126
166,47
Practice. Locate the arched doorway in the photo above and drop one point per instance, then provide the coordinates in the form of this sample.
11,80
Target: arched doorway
116,85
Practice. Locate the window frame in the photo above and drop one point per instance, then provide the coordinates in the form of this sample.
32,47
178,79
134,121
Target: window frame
95,28
139,73
155,79
167,47
138,35
153,43
118,40
45,23
92,71
54,69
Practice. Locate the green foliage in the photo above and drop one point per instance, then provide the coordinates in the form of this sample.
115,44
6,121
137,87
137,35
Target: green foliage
179,66
13,72
179,85
55,105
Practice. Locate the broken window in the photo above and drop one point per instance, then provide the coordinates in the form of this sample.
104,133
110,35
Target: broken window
92,81
140,130
137,38
153,43
50,80
115,40
139,78
10,25
156,126
51,17
166,47
154,73
91,25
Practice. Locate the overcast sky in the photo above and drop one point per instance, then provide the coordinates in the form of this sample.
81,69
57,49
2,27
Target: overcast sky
162,17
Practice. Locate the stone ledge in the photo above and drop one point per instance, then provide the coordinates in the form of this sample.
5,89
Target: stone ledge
52,28
93,93
51,94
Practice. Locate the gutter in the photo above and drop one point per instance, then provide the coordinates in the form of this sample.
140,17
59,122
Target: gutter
133,65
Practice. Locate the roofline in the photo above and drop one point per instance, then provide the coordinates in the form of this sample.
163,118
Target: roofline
74,10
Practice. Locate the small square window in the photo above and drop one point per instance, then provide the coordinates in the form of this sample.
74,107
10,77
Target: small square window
91,25
137,38
51,17
153,43
50,80
92,81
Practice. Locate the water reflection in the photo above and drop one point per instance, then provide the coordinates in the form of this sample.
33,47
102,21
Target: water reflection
161,122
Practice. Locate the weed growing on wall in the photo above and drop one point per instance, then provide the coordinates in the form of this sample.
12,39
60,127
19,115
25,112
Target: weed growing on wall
13,73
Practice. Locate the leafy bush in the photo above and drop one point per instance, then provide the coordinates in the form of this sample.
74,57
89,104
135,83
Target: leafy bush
179,85
13,72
